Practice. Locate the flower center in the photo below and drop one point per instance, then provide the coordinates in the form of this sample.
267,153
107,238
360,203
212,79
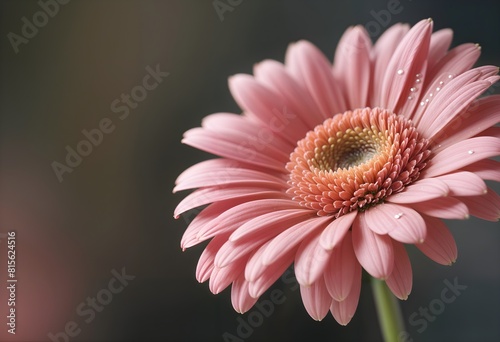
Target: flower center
354,160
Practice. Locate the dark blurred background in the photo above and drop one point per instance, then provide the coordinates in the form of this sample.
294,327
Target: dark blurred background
113,212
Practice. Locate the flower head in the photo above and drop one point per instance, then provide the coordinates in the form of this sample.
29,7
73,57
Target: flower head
333,168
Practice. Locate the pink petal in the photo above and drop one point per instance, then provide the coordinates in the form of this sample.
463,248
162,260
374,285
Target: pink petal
234,217
400,280
274,75
206,262
232,252
213,194
204,219
190,236
450,101
222,277
352,65
344,311
445,208
274,220
439,245
488,169
232,147
490,132
230,122
462,154
316,299
482,114
456,61
409,59
240,297
422,190
210,165
486,207
209,213
271,274
310,68
492,77
383,50
267,106
291,237
471,81
440,43
341,272
234,176
464,184
374,251
414,233
253,132
310,261
336,230
401,223
254,267
237,248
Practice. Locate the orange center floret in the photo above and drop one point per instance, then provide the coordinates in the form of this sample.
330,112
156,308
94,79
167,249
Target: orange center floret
355,160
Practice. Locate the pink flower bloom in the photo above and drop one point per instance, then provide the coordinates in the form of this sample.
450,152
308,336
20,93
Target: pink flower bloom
333,168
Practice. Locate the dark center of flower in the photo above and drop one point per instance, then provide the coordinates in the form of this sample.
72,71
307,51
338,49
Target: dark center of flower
355,160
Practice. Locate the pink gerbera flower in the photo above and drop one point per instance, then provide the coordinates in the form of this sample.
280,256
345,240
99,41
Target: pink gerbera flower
335,168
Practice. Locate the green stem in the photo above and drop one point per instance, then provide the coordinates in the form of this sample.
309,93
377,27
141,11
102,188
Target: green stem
389,313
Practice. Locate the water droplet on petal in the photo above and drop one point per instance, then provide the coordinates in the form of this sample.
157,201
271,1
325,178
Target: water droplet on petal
471,152
417,80
431,95
410,98
450,76
413,89
401,72
438,89
441,83
398,216
422,103
419,75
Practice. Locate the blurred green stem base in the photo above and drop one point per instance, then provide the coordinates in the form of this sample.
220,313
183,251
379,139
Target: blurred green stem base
389,313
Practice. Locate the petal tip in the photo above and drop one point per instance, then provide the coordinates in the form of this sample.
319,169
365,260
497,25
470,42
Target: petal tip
341,298
326,246
343,322
302,43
